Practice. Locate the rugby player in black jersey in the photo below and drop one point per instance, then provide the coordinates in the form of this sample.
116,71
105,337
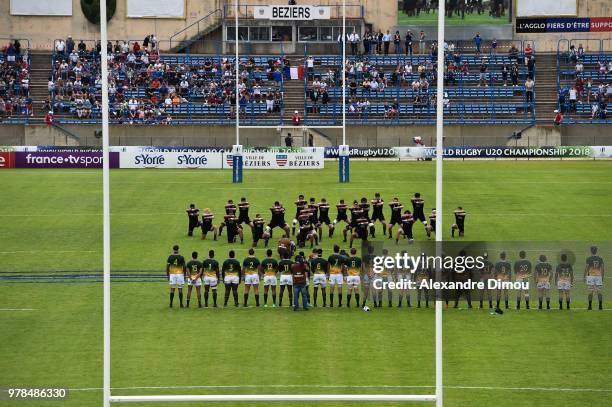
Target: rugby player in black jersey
377,213
193,214
396,215
260,230
207,224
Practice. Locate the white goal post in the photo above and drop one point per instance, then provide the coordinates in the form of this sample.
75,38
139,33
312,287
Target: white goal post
108,398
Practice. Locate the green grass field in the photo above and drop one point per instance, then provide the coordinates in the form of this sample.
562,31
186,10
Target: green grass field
432,19
51,226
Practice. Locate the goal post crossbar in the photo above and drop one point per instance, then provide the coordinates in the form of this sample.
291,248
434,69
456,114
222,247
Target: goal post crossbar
274,397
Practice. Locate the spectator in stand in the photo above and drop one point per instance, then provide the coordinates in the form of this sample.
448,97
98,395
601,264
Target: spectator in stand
504,72
422,43
603,68
514,74
310,67
367,43
494,47
408,42
49,118
529,86
397,42
531,66
579,67
288,140
558,117
561,99
379,42
589,89
60,47
513,53
387,41
528,52
477,43
296,119
579,85
354,40
482,77
573,98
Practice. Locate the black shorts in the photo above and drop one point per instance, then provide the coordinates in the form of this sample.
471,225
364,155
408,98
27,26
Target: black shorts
342,217
408,232
461,226
419,216
206,227
193,224
395,220
277,223
243,219
378,216
231,234
432,225
324,219
257,235
362,234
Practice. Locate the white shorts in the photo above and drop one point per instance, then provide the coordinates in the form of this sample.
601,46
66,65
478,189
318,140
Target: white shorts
196,283
286,279
335,279
319,280
594,280
270,280
251,279
177,280
353,281
231,280
544,285
211,281
564,285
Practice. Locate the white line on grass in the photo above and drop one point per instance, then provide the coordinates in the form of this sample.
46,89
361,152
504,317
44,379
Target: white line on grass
17,309
321,386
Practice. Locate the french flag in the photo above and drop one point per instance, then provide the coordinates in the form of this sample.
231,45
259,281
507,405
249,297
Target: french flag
297,72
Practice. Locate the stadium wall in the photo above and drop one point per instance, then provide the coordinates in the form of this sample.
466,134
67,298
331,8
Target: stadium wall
42,30
358,136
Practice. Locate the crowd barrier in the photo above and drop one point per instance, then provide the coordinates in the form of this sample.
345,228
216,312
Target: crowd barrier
265,158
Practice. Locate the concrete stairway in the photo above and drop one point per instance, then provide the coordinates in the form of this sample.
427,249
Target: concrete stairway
40,71
546,87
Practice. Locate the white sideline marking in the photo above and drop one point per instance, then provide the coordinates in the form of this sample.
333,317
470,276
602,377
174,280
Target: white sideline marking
321,386
17,309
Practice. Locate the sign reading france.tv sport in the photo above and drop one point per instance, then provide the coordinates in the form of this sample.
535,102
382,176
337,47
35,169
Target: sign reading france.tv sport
280,160
60,159
292,12
206,160
563,24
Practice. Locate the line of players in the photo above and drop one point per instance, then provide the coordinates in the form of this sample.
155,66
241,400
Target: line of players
310,217
340,268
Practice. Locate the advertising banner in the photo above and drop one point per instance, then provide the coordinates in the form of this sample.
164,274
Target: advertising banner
279,161
499,152
7,160
170,160
556,24
362,152
63,159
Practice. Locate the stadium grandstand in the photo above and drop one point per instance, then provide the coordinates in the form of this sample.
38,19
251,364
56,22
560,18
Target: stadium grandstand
187,76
